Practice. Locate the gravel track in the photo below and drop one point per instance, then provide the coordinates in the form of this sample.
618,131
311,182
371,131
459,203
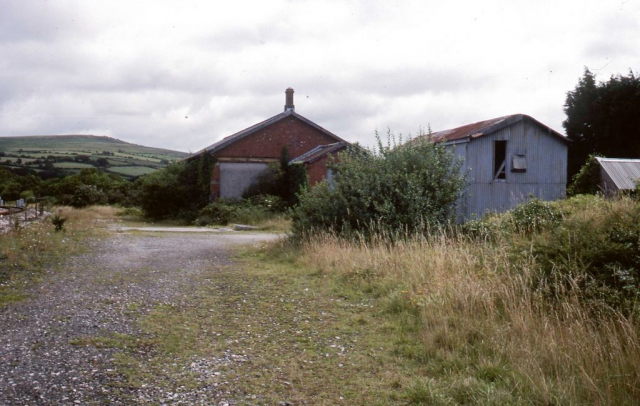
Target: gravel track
92,294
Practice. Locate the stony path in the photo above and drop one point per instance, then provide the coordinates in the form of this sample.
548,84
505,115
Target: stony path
93,294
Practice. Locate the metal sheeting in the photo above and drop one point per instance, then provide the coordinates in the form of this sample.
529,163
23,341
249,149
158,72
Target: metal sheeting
235,178
545,177
624,173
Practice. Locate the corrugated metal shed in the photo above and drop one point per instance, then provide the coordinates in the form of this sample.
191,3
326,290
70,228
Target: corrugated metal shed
486,127
508,161
624,173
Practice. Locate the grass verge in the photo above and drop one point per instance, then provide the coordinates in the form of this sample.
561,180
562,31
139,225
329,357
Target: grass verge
28,251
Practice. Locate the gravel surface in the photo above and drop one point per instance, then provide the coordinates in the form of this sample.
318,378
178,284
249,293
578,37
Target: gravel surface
40,361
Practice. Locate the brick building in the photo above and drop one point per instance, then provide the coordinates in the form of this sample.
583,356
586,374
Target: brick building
242,156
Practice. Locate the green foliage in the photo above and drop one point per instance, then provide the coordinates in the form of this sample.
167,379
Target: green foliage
283,180
587,245
599,253
58,221
535,216
13,185
219,212
104,162
89,187
178,191
602,118
587,180
247,211
28,196
398,187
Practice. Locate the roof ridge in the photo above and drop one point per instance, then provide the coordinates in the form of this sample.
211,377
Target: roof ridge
479,128
251,129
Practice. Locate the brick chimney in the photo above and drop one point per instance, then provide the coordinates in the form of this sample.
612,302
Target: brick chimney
289,100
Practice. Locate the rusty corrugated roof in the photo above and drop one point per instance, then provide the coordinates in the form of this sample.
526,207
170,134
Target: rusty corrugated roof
624,172
318,152
485,127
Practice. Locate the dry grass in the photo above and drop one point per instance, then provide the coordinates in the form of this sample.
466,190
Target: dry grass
488,337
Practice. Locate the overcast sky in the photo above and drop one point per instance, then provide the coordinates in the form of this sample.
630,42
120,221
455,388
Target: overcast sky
183,74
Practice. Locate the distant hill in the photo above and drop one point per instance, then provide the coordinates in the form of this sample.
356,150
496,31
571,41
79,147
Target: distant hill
72,153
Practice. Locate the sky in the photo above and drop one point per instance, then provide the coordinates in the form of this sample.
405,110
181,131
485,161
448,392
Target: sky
183,74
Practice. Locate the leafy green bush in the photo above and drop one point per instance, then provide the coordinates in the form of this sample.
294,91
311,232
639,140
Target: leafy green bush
219,212
587,246
88,187
587,180
534,216
87,195
599,252
397,187
178,191
247,211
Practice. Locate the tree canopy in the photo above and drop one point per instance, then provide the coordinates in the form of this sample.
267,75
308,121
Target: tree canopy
603,118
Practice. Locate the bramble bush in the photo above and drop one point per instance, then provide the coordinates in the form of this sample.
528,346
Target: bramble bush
398,187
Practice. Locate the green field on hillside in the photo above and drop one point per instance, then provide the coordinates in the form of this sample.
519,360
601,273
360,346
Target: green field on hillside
74,152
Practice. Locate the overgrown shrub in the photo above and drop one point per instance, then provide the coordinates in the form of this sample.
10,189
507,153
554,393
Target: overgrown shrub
534,216
283,179
180,190
587,180
397,187
587,246
247,211
219,212
597,252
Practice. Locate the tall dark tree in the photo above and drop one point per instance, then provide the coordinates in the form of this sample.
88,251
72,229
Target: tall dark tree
603,119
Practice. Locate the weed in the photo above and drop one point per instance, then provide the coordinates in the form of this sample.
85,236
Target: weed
58,222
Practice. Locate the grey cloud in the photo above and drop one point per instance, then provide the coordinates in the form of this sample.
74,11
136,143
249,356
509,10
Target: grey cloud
241,37
410,81
39,21
614,36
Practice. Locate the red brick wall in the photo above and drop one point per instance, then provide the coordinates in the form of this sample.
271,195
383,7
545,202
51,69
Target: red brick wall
317,170
267,143
297,136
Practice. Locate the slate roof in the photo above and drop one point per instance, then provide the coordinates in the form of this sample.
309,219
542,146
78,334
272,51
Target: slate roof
259,126
475,130
318,152
624,172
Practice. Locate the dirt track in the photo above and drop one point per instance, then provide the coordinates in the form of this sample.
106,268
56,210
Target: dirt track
40,360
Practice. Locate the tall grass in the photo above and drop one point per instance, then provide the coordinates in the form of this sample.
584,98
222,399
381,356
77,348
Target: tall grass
490,331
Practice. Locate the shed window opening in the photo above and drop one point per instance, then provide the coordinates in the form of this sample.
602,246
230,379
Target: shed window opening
499,159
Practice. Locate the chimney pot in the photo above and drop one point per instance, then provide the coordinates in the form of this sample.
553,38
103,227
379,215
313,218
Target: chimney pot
289,100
